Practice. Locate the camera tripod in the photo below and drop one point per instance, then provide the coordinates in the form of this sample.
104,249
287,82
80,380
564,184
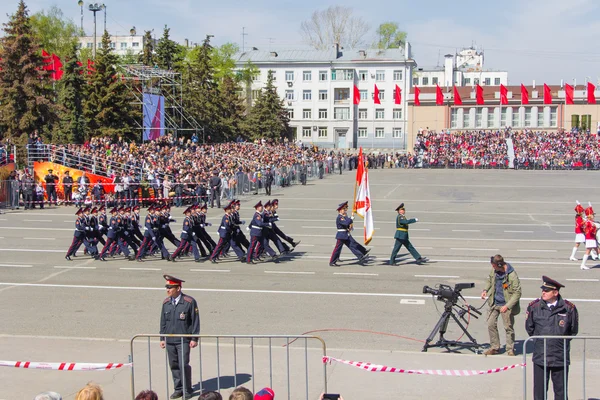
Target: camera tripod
442,326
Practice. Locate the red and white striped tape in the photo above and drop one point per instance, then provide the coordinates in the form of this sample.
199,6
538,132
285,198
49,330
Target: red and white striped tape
444,372
64,366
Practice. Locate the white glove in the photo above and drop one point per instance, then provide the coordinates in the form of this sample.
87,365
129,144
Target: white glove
417,219
589,203
577,201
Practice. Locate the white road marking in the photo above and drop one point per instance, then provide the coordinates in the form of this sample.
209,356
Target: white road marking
569,233
412,302
539,251
291,272
518,231
210,270
66,267
140,269
419,229
530,279
38,238
471,249
16,266
257,291
37,220
466,230
22,228
584,280
437,276
355,273
33,250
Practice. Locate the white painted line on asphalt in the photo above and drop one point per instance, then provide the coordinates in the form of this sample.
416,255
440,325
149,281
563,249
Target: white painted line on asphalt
140,269
355,273
472,249
38,238
584,280
570,233
518,231
66,267
291,272
419,229
258,291
530,279
412,302
3,219
22,228
210,270
466,230
539,251
437,276
33,250
309,245
37,220
16,266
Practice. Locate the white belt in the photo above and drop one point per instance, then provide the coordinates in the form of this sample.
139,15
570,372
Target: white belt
201,225
255,227
342,230
222,227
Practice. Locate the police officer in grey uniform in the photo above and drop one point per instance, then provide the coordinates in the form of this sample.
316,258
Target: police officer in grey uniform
551,315
179,316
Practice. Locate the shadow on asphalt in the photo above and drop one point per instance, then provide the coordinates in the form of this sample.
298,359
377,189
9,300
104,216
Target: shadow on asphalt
224,382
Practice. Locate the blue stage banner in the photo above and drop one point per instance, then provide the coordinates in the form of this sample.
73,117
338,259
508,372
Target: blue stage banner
154,116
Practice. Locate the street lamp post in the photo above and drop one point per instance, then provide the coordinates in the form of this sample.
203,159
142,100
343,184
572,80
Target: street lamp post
95,7
80,4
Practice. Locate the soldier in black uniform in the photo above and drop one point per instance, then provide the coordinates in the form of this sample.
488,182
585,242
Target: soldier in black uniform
268,181
68,187
51,181
551,315
179,315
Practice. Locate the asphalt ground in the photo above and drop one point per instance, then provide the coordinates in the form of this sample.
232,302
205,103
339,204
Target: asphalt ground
54,310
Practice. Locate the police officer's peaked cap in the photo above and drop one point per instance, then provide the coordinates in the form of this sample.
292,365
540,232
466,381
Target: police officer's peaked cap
171,280
66,172
342,205
136,208
114,210
50,170
120,210
187,210
150,208
102,208
551,284
94,210
275,201
231,204
203,206
79,211
227,207
238,202
400,207
127,209
268,203
87,209
259,204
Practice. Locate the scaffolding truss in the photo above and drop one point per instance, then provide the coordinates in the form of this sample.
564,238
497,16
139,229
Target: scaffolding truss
142,79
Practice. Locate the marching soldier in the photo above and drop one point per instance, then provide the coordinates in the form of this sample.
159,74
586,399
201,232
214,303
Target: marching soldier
344,226
187,237
279,232
165,229
115,228
269,233
401,237
78,235
226,236
152,235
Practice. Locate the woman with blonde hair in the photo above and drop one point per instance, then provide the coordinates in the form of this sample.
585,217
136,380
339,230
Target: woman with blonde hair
91,391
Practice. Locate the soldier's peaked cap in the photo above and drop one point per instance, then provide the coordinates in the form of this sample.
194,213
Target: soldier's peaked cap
79,211
94,210
275,201
400,207
203,206
187,210
171,280
102,208
550,283
259,204
268,203
114,210
342,205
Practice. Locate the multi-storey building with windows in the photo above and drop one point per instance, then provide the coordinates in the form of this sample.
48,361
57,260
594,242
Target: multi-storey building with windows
122,45
318,90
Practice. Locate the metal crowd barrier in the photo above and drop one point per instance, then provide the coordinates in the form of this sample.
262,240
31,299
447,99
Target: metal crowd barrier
566,340
9,194
265,360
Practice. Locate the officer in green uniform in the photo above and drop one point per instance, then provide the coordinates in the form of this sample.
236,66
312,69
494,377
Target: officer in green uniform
401,237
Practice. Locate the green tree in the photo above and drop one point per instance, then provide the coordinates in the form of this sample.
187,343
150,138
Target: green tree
147,57
222,61
268,118
54,32
246,76
25,90
108,108
167,50
72,124
232,112
389,36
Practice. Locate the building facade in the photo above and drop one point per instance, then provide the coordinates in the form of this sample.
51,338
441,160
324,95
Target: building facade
122,45
318,90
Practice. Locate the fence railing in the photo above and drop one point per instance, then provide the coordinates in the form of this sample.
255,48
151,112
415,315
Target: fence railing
278,361
9,194
566,349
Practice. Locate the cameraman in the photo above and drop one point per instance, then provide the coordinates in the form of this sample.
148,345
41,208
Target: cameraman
503,291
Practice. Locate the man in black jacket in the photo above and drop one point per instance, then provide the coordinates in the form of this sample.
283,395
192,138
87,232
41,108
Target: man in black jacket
215,189
551,315
68,188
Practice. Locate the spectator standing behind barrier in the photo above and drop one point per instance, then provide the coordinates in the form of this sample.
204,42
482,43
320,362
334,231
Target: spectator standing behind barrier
179,316
68,187
503,290
241,393
48,396
215,189
91,391
51,181
551,315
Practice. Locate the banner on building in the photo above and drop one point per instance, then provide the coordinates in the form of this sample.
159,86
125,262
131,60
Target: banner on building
154,116
40,170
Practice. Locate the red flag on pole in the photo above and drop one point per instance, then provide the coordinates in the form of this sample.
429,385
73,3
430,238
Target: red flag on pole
524,95
356,96
503,95
397,95
376,95
591,96
57,72
547,94
457,99
362,198
479,95
417,93
47,61
439,96
569,94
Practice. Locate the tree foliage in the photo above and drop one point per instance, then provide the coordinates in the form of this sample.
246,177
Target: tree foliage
335,24
25,90
147,56
268,118
389,36
167,51
54,32
72,126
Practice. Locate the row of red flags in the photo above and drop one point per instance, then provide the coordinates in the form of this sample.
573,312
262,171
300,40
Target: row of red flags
439,95
53,64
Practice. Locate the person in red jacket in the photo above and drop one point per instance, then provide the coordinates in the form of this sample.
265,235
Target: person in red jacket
589,229
579,235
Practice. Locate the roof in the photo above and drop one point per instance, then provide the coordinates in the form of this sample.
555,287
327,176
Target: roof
324,56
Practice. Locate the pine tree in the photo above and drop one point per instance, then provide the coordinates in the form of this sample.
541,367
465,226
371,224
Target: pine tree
25,88
72,125
147,57
232,112
166,50
268,118
108,108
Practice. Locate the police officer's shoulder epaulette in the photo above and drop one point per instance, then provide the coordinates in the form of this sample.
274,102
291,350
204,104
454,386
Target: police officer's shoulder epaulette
569,304
168,299
188,299
534,302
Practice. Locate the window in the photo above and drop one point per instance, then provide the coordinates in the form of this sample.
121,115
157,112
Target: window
364,94
362,113
341,113
415,81
307,76
503,117
362,132
322,131
528,116
475,81
363,75
255,94
307,113
289,95
466,118
540,117
289,75
380,75
99,45
379,133
290,112
398,75
425,81
397,133
497,81
322,76
379,113
306,95
490,118
90,45
123,45
467,81
453,118
342,75
306,131
322,94
486,81
397,113
135,44
553,111
515,118
381,94
478,117
322,113
434,80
